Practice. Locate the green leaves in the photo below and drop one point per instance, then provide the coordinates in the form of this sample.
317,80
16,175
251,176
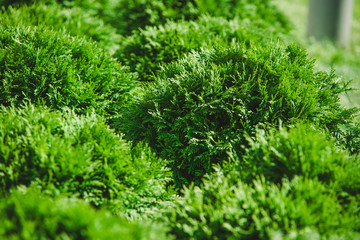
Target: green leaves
251,135
128,17
28,214
79,156
201,105
298,151
51,68
146,50
74,21
216,212
289,184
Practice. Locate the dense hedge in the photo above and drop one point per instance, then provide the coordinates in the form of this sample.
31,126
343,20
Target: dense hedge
139,13
202,104
54,69
26,214
256,134
301,187
73,20
299,209
127,16
302,151
146,50
81,156
132,15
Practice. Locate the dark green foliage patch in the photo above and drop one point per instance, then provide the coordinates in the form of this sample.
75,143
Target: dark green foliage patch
132,15
138,14
199,107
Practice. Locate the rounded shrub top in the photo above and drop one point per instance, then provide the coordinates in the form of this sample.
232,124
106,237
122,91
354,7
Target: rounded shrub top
74,21
27,214
79,156
54,69
202,104
138,14
146,50
290,182
157,12
298,209
278,154
127,16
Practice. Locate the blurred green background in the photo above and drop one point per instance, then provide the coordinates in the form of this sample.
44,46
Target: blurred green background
346,62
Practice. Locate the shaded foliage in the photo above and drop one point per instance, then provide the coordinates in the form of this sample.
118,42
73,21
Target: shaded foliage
201,105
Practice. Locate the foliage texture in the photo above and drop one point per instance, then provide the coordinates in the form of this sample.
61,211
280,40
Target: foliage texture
146,50
51,68
28,215
80,156
201,105
128,16
74,21
301,187
300,151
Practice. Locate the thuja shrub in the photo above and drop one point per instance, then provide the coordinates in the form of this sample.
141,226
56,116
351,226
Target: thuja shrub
262,12
138,14
27,214
79,156
298,151
290,184
129,16
298,209
51,68
201,105
74,20
146,50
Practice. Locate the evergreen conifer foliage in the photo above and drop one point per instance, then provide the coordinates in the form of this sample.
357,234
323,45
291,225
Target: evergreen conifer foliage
298,209
78,156
51,68
200,106
278,154
129,16
146,50
28,214
73,20
139,13
290,184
